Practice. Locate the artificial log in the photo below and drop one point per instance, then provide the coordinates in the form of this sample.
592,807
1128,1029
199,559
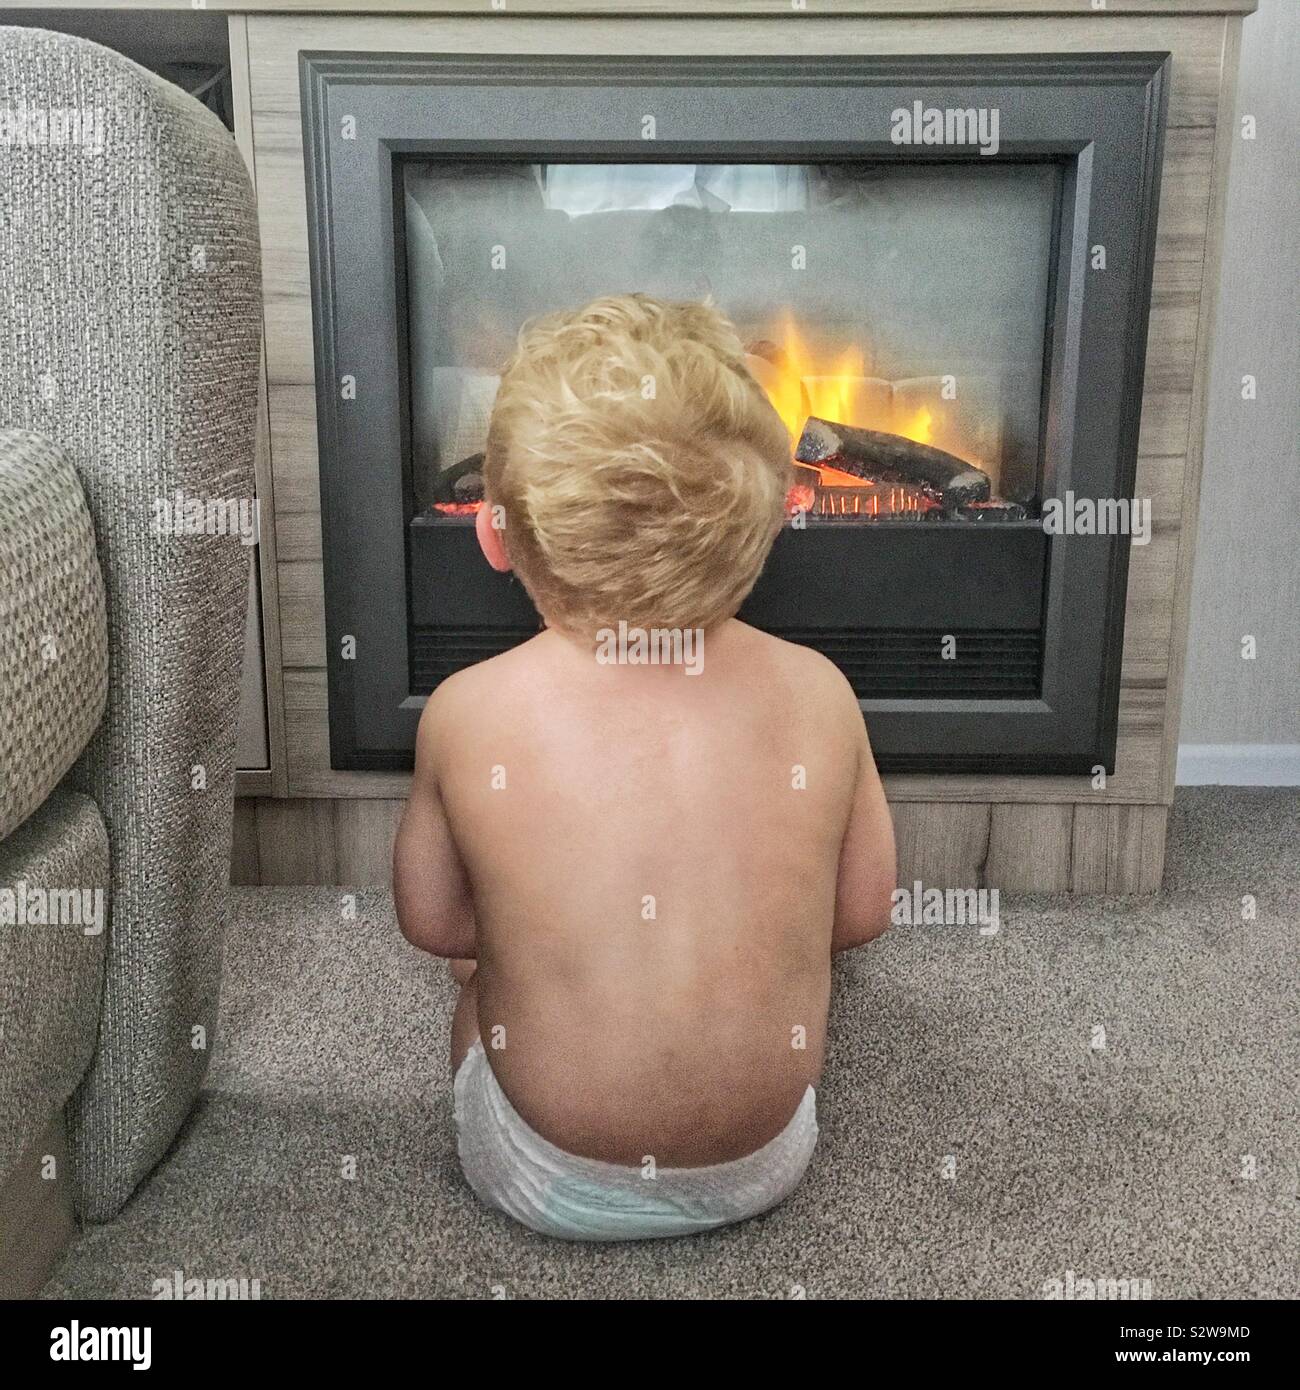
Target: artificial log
951,481
462,482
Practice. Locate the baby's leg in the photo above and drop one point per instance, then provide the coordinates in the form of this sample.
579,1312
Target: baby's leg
461,970
464,1022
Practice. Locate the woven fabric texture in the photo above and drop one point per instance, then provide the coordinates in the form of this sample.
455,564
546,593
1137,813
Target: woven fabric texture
130,315
53,906
54,652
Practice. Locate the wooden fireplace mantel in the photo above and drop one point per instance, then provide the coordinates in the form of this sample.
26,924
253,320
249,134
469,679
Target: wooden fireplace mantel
1015,833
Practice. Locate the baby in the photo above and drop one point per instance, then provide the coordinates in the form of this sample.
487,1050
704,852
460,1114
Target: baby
641,835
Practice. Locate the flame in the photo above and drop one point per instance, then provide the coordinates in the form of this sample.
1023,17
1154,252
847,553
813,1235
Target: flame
830,396
918,429
784,383
799,386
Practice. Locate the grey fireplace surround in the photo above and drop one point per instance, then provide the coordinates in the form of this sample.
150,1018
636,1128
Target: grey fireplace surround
396,595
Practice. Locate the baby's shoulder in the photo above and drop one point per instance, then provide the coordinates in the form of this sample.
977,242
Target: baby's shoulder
817,674
471,699
817,687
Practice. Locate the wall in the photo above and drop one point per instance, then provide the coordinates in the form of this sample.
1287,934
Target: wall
1241,718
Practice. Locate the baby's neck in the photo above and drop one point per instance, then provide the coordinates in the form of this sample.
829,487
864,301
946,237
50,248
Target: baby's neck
648,654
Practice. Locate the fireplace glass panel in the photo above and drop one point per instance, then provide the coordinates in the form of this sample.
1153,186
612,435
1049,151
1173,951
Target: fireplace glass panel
906,300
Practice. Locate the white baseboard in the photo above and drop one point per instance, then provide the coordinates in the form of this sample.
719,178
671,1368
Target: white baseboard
1238,765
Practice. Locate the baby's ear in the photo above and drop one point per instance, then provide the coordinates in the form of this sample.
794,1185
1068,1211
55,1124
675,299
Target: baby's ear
491,539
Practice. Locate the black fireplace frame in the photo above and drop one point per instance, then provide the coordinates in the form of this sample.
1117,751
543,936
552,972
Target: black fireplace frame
1100,115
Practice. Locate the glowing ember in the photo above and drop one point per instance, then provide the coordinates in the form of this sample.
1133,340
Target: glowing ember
836,477
800,498
456,508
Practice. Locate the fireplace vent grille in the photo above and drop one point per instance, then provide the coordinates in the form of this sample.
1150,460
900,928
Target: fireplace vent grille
881,663
909,663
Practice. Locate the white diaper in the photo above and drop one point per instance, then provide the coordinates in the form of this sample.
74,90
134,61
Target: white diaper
511,1167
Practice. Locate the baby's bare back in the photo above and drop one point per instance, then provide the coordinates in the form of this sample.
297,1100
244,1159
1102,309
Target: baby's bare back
653,862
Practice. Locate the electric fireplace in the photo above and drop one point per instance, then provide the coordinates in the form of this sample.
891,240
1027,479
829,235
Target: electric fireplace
941,271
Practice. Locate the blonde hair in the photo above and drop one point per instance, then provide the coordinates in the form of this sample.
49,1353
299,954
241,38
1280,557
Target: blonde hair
641,469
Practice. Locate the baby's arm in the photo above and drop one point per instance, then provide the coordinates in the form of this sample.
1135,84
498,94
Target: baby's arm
868,867
434,907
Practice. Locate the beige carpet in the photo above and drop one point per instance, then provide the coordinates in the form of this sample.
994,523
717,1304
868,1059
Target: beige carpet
1170,1155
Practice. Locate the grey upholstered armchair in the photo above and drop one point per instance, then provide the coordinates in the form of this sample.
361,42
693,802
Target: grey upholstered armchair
130,320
